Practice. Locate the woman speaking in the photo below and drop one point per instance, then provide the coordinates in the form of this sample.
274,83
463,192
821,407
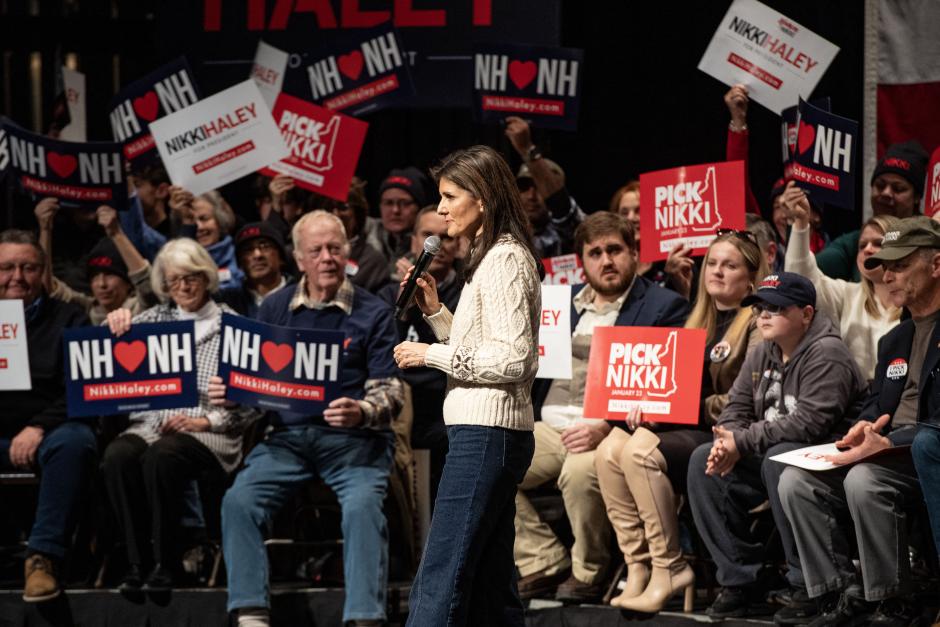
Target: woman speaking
488,348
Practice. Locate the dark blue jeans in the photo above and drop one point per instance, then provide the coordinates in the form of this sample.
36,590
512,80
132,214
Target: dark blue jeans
66,460
467,575
926,453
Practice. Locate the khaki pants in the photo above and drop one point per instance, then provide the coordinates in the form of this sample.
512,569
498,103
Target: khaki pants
537,547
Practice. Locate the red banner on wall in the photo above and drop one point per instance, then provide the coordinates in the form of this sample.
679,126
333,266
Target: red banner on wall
932,196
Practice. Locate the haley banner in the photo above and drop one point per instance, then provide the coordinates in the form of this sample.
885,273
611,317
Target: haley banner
78,174
278,368
219,139
777,59
324,146
824,161
639,366
563,270
555,333
538,83
688,205
14,349
152,366
788,119
932,195
166,90
361,73
268,71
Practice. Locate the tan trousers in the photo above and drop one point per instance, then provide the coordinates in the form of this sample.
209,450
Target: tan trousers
537,547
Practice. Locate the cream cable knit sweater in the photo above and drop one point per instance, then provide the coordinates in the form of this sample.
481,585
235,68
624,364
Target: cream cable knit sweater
489,346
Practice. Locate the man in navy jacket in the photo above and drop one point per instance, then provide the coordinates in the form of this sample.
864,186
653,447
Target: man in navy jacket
565,440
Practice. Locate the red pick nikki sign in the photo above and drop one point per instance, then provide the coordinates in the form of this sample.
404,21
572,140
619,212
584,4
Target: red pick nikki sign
932,196
641,366
687,205
324,146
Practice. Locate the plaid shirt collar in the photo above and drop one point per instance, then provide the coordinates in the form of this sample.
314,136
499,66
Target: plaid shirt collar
343,299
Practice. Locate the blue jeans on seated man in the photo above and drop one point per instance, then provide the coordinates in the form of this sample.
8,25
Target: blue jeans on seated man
467,574
65,462
926,453
355,464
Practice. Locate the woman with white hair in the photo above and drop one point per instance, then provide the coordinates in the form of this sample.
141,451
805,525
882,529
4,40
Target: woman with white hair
162,451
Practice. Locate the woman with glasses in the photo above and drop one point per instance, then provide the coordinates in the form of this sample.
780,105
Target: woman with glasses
862,311
641,474
147,468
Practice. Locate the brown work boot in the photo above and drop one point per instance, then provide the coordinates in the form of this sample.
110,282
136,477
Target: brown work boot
574,591
41,584
539,584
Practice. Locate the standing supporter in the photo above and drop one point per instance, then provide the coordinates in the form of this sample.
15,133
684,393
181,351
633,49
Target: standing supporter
876,496
554,214
147,468
641,474
401,193
349,446
565,440
35,433
428,385
214,220
897,186
791,391
863,311
259,248
152,186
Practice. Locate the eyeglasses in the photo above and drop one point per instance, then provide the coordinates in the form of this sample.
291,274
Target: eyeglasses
25,268
189,279
773,310
747,236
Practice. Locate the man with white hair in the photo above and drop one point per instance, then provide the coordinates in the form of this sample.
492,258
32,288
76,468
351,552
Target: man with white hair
350,446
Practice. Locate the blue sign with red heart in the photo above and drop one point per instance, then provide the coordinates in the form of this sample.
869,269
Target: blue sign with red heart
824,161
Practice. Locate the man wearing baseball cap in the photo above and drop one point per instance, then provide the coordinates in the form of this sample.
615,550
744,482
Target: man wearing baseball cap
791,391
259,249
903,408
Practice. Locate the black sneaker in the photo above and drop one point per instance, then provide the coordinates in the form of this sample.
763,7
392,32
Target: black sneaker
802,610
159,580
133,579
848,611
897,612
731,602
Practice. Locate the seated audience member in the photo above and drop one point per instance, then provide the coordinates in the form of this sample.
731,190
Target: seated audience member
863,311
565,440
554,214
641,474
791,391
214,221
428,385
401,194
35,433
148,467
259,248
349,446
875,496
764,232
897,185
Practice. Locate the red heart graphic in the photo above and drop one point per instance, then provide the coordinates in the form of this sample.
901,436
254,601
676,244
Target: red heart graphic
521,73
806,137
63,165
277,355
147,106
130,354
351,64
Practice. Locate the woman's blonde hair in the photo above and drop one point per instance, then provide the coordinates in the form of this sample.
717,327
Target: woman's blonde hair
883,223
187,257
705,312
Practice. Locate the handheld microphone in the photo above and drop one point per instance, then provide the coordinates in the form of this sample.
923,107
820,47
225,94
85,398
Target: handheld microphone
431,245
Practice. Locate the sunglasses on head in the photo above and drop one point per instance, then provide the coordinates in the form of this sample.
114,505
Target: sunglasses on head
747,236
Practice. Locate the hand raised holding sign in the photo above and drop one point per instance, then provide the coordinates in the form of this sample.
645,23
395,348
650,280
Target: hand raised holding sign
217,392
45,212
680,268
797,204
736,99
181,204
519,135
119,321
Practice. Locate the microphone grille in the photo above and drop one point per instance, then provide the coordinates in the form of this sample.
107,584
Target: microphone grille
432,244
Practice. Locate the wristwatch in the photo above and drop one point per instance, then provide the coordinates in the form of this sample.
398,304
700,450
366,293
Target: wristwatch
532,154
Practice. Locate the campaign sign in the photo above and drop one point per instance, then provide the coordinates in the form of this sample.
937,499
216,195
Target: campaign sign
361,74
278,368
324,146
14,350
777,59
268,71
788,120
824,161
78,174
639,366
165,90
687,205
219,139
541,84
563,270
152,366
555,333
932,197
73,86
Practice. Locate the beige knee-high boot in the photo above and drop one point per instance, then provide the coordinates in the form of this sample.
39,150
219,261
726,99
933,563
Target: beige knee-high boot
623,515
645,471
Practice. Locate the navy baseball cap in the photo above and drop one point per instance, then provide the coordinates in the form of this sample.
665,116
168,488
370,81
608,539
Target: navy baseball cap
783,289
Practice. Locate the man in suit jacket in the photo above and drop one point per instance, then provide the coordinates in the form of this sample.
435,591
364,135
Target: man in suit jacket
564,439
903,407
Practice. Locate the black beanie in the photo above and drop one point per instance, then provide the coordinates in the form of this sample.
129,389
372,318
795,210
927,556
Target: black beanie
104,257
411,180
906,159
